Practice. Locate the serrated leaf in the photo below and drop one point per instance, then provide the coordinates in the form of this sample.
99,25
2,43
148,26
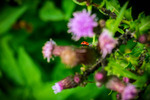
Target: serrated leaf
140,25
113,5
145,23
128,14
119,17
9,16
137,50
116,68
50,13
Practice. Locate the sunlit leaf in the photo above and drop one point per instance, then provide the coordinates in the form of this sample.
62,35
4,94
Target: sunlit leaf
119,17
50,13
144,23
128,14
137,50
115,68
141,25
113,5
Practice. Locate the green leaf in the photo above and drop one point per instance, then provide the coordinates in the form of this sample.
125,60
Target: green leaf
29,69
128,14
114,96
8,62
120,31
8,17
141,81
119,17
146,95
110,24
140,25
144,23
147,68
116,68
68,7
129,46
137,50
50,13
113,5
130,66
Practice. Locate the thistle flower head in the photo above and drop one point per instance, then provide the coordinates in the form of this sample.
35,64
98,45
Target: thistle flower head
73,56
126,80
143,38
68,57
67,83
57,88
115,84
77,79
47,49
99,76
82,25
129,93
106,42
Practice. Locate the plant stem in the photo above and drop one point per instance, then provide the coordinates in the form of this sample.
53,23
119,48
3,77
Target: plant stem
93,43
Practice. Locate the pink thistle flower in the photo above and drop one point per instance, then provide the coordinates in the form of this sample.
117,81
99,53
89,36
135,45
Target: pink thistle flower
47,49
129,93
126,80
67,83
82,25
57,88
77,79
143,38
99,76
106,42
115,84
